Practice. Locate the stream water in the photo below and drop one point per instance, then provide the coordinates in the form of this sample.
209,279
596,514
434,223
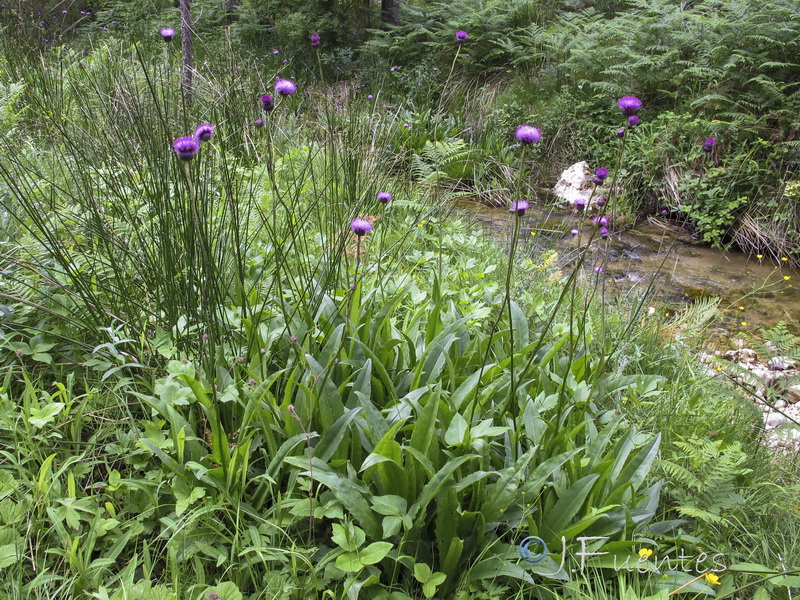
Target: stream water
754,294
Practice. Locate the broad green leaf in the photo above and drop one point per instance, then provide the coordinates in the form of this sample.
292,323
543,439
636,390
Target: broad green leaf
636,470
521,329
330,440
418,509
329,401
8,555
227,591
46,414
567,507
348,537
349,562
347,491
375,552
501,493
455,432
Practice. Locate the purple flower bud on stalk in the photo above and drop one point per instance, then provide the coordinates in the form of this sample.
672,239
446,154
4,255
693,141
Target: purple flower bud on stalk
621,132
266,102
664,212
527,134
580,204
629,105
519,207
599,269
204,132
167,33
461,36
285,87
315,40
360,226
709,144
600,201
370,96
603,232
384,197
259,123
633,121
186,147
574,232
600,176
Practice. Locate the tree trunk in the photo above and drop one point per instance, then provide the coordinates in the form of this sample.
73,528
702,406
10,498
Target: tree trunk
187,51
390,12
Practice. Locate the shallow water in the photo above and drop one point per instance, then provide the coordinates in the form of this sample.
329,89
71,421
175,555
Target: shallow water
754,294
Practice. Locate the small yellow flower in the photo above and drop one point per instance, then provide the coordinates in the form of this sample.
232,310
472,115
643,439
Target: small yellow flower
719,368
759,256
533,233
744,323
421,223
787,277
741,308
645,553
712,578
784,259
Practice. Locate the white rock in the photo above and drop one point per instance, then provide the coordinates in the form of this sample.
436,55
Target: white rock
774,419
782,363
742,355
575,183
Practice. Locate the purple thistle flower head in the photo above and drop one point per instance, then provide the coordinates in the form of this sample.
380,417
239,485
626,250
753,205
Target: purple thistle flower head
580,204
600,201
574,232
629,105
664,212
527,134
285,87
204,132
186,147
167,33
598,269
519,207
360,226
259,123
709,144
604,232
370,96
266,102
461,36
621,132
633,121
315,40
384,197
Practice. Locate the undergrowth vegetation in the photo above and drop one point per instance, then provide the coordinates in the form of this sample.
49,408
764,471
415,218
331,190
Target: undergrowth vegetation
251,349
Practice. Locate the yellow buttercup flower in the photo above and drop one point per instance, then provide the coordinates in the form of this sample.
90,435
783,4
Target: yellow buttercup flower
784,259
759,256
741,308
744,323
787,277
712,578
645,553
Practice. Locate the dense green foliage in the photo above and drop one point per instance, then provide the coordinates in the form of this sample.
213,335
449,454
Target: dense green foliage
212,387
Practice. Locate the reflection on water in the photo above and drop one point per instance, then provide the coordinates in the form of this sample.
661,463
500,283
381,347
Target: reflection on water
757,293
